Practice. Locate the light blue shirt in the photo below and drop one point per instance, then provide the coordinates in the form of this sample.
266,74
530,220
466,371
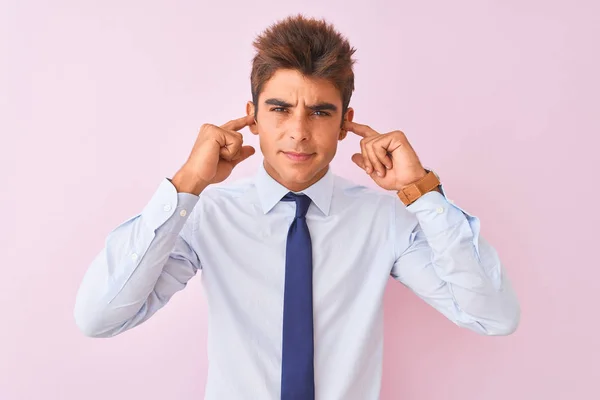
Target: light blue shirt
235,233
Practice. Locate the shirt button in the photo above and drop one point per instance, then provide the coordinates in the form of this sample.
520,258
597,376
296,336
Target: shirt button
439,210
134,256
183,213
167,207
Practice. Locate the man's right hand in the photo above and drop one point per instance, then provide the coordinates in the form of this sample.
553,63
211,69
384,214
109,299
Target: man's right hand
218,149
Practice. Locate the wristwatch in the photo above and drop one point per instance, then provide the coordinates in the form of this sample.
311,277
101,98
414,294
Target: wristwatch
409,194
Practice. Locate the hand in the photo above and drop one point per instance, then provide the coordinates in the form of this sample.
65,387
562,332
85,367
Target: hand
216,152
388,158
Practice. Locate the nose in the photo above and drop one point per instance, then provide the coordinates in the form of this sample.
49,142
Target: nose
299,128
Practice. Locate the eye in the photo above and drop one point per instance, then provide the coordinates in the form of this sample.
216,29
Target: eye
278,109
322,113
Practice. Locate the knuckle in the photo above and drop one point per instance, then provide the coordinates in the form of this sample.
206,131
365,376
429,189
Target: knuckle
236,138
206,127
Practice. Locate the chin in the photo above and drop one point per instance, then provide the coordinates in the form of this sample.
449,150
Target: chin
301,176
290,171
294,173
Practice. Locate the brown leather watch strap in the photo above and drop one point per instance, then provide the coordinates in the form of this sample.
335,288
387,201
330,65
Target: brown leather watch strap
411,193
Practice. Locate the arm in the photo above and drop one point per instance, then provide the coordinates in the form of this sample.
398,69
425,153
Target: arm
452,267
144,262
147,259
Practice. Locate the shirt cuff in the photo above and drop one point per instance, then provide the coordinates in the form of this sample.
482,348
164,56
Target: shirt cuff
168,209
437,214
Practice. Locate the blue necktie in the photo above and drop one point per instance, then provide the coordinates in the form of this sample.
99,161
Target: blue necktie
297,369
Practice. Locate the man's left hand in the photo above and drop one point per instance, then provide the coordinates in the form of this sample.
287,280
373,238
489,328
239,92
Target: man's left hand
388,158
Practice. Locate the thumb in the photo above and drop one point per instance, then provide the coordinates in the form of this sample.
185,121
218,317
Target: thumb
358,160
245,152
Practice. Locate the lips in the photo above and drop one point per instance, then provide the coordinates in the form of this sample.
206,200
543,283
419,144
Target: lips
298,156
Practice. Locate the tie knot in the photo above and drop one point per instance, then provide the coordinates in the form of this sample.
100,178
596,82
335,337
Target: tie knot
302,203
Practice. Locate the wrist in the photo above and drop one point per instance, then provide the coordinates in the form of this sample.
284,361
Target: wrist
188,182
410,193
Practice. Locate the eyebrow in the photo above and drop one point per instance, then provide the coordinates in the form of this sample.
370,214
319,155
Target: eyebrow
315,107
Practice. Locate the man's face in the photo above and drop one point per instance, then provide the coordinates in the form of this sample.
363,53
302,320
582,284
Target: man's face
299,124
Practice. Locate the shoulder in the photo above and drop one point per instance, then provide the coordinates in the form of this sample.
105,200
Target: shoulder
372,197
363,193
226,192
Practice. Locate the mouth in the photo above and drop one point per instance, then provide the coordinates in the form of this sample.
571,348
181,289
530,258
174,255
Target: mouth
299,157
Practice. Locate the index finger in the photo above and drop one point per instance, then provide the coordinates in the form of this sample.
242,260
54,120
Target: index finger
237,124
359,129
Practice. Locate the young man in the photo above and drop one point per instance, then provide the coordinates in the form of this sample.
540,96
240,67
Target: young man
295,260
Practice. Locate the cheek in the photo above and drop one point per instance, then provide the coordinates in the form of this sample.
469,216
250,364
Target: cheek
329,142
272,121
270,130
270,145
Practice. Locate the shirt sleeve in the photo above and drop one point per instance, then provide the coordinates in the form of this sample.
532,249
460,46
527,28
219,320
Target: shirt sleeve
145,260
448,264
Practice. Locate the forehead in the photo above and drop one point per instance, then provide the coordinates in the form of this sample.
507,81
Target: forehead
292,86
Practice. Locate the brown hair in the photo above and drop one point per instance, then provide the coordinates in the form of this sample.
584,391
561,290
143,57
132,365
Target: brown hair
312,47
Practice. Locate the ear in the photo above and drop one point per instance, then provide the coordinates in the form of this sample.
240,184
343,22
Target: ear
348,117
250,111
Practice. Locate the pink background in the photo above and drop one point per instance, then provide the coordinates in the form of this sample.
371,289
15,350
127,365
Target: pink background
101,100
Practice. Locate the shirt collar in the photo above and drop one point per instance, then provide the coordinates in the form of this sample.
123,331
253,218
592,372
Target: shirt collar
270,192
